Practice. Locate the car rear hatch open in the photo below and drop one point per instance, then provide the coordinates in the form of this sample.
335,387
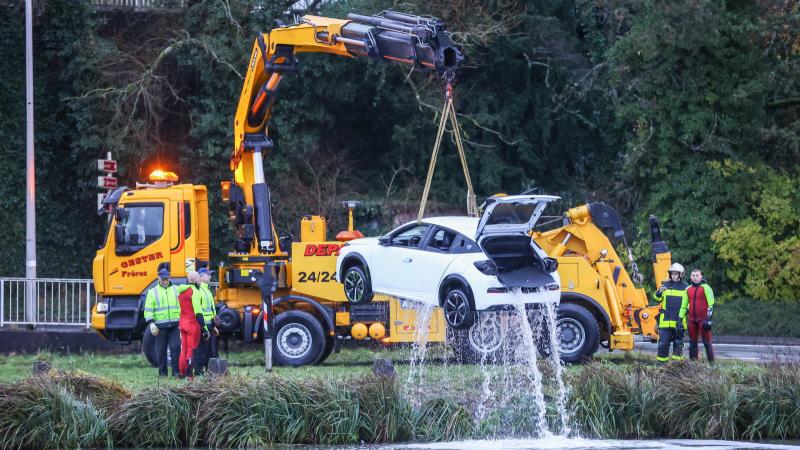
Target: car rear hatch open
504,236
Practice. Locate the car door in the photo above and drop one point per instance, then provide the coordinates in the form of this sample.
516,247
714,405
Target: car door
391,263
431,262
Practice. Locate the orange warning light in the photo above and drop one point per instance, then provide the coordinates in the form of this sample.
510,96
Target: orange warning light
160,175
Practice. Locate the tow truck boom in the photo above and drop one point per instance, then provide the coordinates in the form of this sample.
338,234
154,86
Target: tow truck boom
389,36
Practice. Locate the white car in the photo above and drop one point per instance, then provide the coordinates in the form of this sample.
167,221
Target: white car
462,264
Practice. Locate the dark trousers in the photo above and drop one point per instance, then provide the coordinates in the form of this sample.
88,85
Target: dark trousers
207,349
168,338
696,330
667,336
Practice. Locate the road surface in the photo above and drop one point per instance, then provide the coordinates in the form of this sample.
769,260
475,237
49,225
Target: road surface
743,352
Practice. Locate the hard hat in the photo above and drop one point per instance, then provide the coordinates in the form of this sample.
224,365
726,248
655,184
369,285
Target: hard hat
675,267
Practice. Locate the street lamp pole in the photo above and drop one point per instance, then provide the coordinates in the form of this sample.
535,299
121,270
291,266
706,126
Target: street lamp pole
30,186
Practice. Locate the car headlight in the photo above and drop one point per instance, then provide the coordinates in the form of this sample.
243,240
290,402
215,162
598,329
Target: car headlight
102,307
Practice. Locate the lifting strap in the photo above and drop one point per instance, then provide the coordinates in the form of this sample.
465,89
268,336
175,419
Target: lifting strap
449,112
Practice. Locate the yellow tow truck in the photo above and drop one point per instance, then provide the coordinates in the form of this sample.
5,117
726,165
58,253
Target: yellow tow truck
163,221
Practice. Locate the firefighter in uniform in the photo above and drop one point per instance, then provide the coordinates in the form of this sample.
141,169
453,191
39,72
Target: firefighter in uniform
701,309
162,312
674,306
208,347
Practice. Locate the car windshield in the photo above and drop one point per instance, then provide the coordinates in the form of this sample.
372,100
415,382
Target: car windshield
410,237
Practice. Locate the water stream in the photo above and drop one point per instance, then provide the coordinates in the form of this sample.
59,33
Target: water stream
520,372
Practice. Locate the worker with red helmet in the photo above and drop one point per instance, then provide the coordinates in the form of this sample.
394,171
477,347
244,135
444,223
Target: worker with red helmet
672,316
701,309
191,324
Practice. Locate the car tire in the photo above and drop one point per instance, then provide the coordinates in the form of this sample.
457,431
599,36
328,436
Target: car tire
485,342
578,332
357,285
149,347
299,339
457,309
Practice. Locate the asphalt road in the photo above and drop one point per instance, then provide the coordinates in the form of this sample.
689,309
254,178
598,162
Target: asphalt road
743,352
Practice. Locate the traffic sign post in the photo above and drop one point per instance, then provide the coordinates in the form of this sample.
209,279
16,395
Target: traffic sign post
106,181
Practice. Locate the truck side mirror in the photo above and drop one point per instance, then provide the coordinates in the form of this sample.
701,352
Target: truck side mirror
120,214
119,233
385,240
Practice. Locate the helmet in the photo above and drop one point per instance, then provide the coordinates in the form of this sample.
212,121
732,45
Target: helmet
675,267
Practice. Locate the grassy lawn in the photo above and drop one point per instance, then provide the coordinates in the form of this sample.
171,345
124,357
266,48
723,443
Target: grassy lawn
133,372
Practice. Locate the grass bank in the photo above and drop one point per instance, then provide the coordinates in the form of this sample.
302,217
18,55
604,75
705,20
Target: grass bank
344,404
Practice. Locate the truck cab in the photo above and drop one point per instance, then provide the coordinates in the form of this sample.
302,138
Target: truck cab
154,224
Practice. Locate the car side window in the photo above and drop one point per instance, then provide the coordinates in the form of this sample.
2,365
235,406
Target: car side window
410,237
441,240
463,244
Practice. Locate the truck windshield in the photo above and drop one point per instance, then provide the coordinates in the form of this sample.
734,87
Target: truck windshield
143,225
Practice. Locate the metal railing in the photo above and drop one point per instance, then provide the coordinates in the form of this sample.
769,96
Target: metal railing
46,301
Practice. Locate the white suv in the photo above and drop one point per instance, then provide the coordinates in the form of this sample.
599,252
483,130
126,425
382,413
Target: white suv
462,264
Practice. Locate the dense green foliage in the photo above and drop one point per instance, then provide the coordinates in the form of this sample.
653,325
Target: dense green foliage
687,110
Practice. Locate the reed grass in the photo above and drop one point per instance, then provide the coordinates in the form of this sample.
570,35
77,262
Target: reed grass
608,400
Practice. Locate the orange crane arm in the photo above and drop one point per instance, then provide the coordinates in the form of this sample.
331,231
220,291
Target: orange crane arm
389,36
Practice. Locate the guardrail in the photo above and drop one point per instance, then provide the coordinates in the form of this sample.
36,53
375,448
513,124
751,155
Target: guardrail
46,301
55,301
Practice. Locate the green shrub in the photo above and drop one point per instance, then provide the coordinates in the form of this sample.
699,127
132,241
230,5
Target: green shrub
747,317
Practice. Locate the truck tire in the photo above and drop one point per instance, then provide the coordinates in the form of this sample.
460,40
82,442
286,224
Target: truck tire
299,339
578,332
485,342
329,343
149,348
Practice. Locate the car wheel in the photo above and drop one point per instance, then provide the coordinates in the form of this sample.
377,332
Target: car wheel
299,339
486,341
149,347
578,334
457,309
357,287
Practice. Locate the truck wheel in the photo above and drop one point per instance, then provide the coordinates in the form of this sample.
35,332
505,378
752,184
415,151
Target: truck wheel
329,342
299,339
357,286
578,333
149,347
486,341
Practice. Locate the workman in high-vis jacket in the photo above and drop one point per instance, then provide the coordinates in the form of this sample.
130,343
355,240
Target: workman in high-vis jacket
162,312
701,310
671,321
208,347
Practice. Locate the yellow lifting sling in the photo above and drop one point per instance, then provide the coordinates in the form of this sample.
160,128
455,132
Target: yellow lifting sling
449,112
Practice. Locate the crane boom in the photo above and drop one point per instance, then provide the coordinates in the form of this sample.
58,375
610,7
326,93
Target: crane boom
389,36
